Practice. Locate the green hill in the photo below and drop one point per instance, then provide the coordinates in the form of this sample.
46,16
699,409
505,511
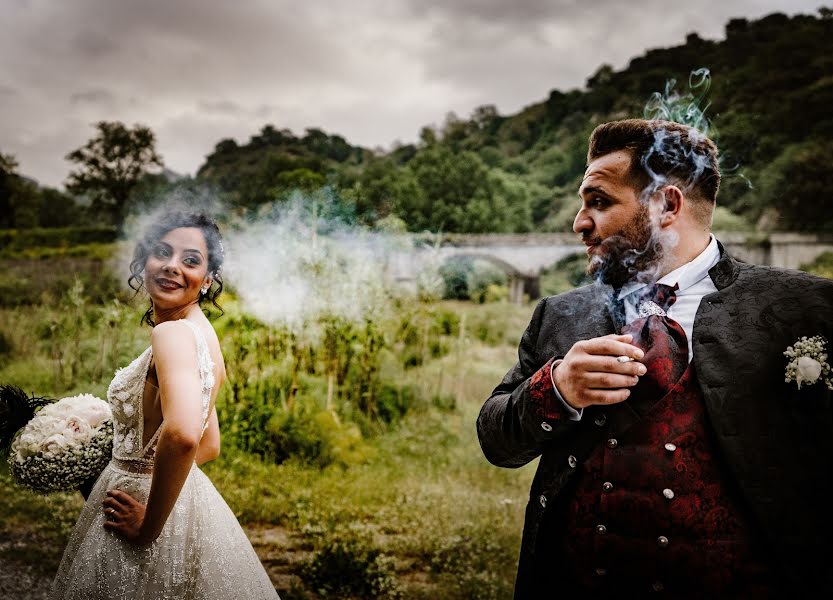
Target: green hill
769,103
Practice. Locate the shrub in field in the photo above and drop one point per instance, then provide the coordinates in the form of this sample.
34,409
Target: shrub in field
16,240
29,281
315,435
6,347
468,565
350,567
394,401
822,266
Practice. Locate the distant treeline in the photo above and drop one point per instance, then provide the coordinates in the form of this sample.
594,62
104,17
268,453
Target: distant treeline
772,89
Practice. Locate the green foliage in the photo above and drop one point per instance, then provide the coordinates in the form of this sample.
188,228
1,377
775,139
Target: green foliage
822,266
28,281
23,204
466,278
6,347
111,165
314,435
794,185
404,496
275,162
725,220
350,567
18,241
568,273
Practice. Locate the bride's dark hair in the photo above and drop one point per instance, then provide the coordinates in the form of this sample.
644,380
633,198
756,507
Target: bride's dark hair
157,231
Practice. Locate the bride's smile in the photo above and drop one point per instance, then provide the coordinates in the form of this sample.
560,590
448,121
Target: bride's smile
177,269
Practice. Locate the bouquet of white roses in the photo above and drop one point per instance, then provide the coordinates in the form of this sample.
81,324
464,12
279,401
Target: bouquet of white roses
65,444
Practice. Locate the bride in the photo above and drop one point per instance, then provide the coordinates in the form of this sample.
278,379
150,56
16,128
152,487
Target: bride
154,526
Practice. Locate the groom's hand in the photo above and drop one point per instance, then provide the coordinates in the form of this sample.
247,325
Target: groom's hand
590,373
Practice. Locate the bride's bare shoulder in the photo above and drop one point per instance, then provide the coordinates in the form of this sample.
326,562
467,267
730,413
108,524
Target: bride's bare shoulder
170,341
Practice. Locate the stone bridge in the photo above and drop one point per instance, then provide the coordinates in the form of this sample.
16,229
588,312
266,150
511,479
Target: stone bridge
524,256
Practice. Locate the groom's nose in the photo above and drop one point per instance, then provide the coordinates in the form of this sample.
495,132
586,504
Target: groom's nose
582,222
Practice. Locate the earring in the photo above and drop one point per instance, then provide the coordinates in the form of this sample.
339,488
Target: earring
204,289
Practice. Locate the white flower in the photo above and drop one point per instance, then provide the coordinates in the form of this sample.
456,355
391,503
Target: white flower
808,362
64,445
808,370
54,444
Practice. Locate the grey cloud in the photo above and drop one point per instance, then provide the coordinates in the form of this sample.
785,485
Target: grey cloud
230,108
372,70
516,12
93,96
224,107
92,44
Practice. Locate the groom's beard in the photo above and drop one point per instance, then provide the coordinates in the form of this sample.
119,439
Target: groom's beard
624,255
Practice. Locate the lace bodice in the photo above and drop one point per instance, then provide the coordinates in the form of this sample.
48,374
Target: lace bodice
126,394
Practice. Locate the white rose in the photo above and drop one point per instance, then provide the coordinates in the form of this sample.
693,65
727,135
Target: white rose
54,444
808,370
78,430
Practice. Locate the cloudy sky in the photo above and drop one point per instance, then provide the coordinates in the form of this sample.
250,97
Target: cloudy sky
374,71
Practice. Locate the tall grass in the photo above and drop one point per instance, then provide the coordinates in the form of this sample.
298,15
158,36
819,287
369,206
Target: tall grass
358,447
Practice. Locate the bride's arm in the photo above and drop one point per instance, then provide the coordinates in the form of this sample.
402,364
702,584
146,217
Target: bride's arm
174,349
209,447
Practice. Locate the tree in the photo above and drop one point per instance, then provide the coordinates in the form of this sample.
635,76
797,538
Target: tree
111,166
8,181
19,198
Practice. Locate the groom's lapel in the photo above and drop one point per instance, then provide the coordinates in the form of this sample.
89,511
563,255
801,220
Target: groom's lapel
605,315
712,334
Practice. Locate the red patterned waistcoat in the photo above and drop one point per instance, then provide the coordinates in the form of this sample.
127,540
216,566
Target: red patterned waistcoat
654,512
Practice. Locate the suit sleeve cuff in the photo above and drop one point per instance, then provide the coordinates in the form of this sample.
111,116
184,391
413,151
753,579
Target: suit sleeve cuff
548,403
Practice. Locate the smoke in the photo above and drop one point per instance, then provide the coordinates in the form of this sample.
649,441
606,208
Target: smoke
685,108
299,265
301,261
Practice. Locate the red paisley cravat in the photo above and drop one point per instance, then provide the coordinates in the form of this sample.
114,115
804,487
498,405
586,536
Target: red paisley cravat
664,343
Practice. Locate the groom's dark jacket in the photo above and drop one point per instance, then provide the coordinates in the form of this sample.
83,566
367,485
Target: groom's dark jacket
775,440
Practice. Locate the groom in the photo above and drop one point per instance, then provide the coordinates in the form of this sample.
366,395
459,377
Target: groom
675,459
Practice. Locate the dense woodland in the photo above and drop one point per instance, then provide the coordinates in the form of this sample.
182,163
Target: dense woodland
769,107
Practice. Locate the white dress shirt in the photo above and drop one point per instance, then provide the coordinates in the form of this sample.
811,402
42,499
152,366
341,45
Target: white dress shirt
694,281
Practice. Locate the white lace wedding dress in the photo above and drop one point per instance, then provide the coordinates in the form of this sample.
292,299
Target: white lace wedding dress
202,552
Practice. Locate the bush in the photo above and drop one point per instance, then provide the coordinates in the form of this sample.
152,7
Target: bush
822,266
348,567
32,281
394,401
316,436
15,240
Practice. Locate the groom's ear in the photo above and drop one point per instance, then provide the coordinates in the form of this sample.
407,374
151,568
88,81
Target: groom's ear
673,200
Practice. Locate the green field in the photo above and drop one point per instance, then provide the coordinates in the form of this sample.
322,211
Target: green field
369,484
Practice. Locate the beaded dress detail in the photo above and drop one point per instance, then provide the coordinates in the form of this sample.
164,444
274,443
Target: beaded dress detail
202,552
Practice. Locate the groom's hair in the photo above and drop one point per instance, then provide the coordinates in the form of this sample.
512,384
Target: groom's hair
662,153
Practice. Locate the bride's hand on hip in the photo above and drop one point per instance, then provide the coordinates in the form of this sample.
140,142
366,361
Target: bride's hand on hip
124,516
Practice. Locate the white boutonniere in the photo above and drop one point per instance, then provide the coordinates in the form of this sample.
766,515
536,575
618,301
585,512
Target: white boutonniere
808,362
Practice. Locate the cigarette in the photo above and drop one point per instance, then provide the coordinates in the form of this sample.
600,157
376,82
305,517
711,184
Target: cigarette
624,359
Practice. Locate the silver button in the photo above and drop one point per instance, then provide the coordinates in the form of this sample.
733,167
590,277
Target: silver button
572,461
601,529
607,486
668,493
657,586
612,443
601,571
662,541
600,420
546,426
670,447
543,500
